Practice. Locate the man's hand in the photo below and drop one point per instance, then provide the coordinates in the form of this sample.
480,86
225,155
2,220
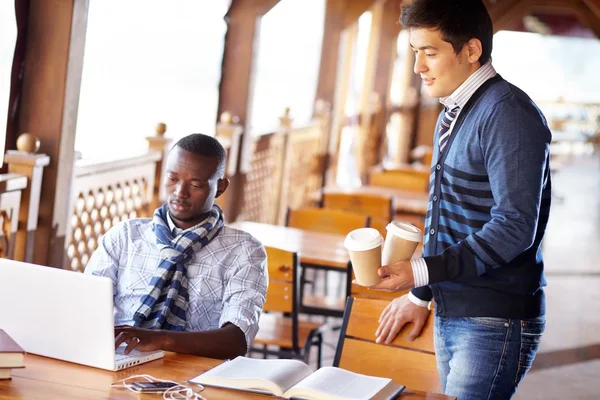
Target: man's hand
395,277
397,314
138,338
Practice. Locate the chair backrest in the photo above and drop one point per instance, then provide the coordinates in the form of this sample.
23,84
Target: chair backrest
422,154
325,220
283,293
408,363
380,224
411,179
375,206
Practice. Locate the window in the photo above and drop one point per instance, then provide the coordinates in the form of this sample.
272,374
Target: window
148,61
287,63
549,67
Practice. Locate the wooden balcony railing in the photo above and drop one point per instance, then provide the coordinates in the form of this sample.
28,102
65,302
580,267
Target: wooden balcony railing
282,168
11,188
20,198
104,195
107,193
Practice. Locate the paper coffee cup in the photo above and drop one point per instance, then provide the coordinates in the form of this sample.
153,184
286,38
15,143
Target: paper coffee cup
400,242
364,247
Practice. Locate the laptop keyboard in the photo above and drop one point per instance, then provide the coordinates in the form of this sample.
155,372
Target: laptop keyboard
136,357
121,357
120,354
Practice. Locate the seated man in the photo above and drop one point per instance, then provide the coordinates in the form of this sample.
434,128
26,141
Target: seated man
183,281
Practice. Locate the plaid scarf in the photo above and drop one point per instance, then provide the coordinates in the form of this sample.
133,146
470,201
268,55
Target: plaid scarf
166,305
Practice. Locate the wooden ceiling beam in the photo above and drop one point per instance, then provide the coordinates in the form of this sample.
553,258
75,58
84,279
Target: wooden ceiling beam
499,8
580,9
594,6
507,13
510,14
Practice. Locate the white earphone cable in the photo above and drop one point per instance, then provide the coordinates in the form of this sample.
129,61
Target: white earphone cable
176,392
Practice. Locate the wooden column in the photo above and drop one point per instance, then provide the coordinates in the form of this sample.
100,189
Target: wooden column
408,109
229,129
235,89
162,145
369,136
330,50
386,53
385,34
342,83
26,162
49,103
284,162
243,19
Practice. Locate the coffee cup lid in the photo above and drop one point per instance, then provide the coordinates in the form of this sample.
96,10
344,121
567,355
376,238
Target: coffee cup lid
405,231
363,239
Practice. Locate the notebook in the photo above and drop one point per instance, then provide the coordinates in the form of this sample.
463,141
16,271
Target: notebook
293,379
11,354
64,315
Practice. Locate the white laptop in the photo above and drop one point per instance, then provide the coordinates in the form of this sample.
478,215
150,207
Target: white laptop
62,314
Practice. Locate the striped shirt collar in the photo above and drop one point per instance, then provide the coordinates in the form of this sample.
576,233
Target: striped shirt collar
461,96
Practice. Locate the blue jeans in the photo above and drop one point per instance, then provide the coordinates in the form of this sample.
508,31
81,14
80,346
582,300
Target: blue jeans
485,358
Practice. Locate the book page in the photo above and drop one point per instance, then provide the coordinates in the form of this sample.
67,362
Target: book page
340,384
283,373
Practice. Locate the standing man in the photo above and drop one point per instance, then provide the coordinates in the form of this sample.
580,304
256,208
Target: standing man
488,210
183,281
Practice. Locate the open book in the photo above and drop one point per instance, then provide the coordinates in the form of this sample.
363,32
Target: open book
295,379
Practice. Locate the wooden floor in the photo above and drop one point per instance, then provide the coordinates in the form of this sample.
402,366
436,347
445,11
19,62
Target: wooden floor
568,364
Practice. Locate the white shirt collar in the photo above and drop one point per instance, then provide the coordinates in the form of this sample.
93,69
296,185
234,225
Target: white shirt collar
177,231
174,229
463,93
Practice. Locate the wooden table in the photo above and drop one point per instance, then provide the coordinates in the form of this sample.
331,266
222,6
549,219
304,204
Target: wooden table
45,378
314,248
405,201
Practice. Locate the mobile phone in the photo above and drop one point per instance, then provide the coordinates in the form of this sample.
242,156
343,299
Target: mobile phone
142,387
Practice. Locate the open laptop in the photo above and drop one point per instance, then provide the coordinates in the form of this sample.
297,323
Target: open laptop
62,314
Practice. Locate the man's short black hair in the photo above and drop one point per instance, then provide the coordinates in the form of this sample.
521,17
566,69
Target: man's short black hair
457,20
205,146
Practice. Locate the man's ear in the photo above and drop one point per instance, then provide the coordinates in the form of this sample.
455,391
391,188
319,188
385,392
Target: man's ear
222,185
474,50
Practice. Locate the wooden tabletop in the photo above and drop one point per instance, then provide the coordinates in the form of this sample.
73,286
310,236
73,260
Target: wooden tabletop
405,201
314,248
46,378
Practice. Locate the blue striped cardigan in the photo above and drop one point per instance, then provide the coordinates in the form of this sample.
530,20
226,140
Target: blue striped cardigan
488,209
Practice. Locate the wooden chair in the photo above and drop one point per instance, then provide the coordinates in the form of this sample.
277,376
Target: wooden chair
410,179
408,363
279,324
422,154
326,221
375,206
